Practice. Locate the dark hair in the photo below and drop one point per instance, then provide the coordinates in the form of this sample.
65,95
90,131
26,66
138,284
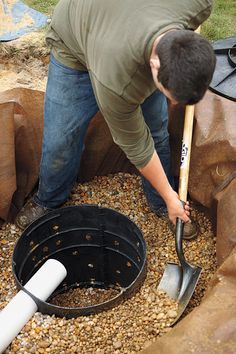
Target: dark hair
187,63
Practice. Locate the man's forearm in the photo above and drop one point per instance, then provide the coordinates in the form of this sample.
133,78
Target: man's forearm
155,174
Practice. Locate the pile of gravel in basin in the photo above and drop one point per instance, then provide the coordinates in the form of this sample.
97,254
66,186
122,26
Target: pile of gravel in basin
136,323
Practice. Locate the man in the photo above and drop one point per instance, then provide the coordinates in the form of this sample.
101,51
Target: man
122,58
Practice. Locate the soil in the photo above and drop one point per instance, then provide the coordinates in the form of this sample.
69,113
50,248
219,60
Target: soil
24,62
7,23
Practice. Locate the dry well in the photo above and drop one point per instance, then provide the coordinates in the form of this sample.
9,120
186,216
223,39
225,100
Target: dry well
137,322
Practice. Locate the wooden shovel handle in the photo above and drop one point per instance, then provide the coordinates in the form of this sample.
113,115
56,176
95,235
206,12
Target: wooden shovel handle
186,148
186,153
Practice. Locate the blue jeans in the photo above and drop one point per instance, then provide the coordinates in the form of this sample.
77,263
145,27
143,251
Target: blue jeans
155,112
69,106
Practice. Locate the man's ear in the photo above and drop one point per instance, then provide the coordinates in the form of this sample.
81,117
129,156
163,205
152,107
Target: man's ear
155,63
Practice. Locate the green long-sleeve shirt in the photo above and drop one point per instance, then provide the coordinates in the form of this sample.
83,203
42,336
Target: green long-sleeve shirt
113,39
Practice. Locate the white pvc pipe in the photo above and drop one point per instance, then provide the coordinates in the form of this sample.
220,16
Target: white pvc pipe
22,307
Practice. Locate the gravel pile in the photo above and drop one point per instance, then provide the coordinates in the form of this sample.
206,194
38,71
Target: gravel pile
136,323
83,297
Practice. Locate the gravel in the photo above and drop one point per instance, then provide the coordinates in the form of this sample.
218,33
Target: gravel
83,297
136,323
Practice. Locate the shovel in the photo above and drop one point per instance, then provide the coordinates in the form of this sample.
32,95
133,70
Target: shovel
179,281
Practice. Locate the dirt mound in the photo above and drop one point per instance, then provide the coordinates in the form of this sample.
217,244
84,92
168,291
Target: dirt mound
24,62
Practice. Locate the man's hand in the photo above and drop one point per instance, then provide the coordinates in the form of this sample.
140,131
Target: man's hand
177,210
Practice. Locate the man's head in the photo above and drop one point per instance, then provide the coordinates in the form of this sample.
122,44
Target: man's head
183,66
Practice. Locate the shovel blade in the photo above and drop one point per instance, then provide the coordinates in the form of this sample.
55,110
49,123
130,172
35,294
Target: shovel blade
179,283
171,280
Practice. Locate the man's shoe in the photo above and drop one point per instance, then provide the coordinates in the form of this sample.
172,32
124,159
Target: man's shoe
191,230
29,213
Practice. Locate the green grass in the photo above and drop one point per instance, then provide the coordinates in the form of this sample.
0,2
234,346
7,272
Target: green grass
221,23
45,6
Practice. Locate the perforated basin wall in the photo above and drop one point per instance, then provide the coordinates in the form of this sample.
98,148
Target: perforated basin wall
98,246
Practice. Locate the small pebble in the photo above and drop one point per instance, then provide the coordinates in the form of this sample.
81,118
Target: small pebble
117,344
